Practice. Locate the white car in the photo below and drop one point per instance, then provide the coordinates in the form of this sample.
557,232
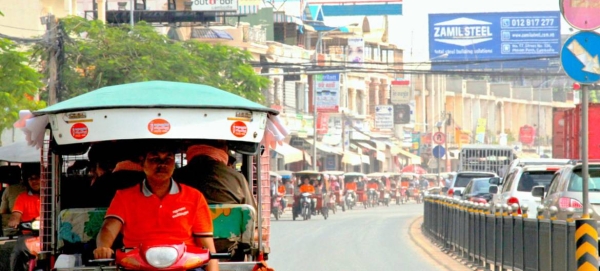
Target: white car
462,179
518,185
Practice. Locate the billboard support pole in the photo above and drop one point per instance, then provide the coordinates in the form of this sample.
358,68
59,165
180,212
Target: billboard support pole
584,149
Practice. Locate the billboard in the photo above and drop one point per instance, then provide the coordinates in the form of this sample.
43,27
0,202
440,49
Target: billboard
355,52
327,87
215,5
494,36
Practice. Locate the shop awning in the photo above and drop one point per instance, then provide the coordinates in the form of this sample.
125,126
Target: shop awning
365,159
324,148
414,159
289,153
352,158
379,155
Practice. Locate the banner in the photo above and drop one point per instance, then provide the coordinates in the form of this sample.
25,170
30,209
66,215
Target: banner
355,52
322,124
327,87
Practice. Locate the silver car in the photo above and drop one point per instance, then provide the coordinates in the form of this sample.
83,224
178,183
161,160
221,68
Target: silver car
462,179
565,191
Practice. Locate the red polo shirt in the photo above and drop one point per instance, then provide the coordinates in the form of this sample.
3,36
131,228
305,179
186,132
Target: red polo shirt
177,218
28,204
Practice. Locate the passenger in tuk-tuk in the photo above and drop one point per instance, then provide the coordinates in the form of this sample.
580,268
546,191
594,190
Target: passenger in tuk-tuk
128,171
27,208
103,159
157,210
373,184
208,172
10,194
351,186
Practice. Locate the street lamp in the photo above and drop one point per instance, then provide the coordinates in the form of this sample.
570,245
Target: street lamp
318,51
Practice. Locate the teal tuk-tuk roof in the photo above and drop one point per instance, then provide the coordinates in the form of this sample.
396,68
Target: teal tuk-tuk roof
155,94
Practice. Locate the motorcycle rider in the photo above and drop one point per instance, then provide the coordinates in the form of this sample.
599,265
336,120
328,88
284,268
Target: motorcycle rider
306,187
281,192
27,208
373,184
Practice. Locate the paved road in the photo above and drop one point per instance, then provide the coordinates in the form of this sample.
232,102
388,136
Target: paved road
372,239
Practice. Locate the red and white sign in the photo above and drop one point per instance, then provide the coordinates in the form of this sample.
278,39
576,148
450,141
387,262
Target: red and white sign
322,124
239,129
159,126
401,93
527,135
439,138
581,14
79,131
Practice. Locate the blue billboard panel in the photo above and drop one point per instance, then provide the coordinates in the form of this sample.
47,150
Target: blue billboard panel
494,36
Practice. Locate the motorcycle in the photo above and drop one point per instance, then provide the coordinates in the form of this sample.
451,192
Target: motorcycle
33,244
386,198
373,198
162,257
350,199
331,203
276,208
306,205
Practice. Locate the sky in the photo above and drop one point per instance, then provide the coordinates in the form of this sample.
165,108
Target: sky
410,30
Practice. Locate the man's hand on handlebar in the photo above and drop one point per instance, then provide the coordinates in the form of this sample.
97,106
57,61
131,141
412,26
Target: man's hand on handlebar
103,253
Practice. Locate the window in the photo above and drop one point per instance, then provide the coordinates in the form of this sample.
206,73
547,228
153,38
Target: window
534,178
554,184
509,180
576,182
463,179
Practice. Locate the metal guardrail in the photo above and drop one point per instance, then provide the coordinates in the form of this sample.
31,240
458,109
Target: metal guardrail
503,240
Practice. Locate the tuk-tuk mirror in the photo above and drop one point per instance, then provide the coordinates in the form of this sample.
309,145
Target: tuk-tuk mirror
538,191
495,181
493,189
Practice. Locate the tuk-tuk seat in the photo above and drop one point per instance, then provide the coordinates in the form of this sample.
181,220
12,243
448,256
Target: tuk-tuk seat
79,225
234,222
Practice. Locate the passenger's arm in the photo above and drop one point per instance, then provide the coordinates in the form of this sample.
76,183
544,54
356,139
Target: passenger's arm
208,243
107,235
15,219
4,205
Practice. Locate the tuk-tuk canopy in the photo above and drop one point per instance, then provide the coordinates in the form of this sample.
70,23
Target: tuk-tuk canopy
155,94
334,173
156,110
19,152
377,175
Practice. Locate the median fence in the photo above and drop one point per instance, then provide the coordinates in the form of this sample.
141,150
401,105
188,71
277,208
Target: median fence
506,240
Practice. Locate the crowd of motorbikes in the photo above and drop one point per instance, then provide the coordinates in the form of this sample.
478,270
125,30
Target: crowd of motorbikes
344,191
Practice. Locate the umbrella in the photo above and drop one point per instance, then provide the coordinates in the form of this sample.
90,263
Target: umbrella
19,152
414,169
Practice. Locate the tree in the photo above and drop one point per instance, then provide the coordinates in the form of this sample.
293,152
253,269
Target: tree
97,55
19,83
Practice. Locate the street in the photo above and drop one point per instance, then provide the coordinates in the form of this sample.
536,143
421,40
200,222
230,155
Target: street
372,239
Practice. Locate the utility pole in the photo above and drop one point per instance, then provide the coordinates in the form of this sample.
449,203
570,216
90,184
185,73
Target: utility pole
52,32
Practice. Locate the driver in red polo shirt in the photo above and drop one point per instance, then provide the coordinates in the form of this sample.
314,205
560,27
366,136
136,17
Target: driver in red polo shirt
157,211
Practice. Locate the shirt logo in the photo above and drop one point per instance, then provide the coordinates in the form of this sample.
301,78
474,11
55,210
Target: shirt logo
180,212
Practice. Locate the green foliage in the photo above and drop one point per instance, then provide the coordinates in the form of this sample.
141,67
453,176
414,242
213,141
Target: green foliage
116,55
19,84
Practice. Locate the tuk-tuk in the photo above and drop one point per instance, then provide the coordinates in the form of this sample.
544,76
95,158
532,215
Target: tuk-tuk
277,205
355,189
318,199
173,114
286,176
337,190
385,186
395,187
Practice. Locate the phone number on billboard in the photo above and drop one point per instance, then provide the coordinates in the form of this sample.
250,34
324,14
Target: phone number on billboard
529,22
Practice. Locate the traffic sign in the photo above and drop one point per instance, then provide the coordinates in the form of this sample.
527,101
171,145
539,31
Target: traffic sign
582,15
439,138
438,151
579,57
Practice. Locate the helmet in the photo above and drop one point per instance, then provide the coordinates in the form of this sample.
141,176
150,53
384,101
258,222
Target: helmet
325,176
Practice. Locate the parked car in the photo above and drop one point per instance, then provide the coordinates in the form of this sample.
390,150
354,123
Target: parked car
478,190
565,190
462,179
521,162
519,183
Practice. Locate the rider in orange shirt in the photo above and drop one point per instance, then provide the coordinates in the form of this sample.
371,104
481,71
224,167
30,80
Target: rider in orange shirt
306,187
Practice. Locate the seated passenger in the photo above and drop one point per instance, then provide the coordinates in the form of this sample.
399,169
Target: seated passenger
136,211
207,171
102,158
129,171
10,194
26,208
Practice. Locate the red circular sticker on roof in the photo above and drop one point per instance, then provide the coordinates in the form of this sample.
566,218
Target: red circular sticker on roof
79,130
159,126
239,129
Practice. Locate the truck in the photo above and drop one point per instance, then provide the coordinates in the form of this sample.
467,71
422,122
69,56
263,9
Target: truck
566,132
485,158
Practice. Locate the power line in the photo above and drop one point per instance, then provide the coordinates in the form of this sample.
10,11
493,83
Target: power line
20,28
